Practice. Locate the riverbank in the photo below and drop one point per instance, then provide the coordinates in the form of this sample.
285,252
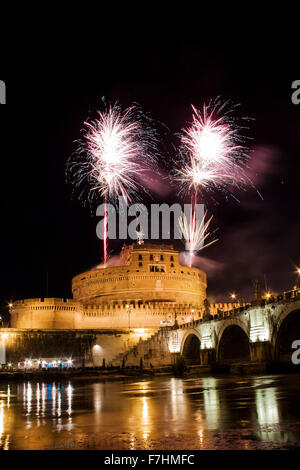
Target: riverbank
89,374
79,375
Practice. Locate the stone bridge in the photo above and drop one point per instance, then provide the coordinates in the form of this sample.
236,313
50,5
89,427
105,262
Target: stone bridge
260,332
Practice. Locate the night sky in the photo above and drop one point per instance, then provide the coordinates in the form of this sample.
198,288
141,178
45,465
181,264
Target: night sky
44,229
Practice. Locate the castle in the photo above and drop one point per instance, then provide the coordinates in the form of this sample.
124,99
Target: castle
148,288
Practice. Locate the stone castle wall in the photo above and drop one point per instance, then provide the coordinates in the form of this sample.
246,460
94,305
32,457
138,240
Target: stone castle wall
69,314
147,290
49,313
152,273
83,347
64,314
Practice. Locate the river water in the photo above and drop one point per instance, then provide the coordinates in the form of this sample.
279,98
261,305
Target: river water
219,412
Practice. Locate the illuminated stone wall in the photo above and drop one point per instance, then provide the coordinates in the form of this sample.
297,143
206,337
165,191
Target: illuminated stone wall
68,314
259,326
148,290
266,328
149,273
87,348
45,313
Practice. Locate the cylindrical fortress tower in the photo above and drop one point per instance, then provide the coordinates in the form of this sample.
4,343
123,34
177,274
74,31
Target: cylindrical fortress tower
148,273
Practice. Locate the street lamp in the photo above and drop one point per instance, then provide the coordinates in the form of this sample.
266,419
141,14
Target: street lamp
233,296
298,279
192,312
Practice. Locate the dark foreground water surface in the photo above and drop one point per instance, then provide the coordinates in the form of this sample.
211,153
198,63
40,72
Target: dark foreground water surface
227,412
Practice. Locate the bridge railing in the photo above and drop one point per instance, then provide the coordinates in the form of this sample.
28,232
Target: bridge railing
289,296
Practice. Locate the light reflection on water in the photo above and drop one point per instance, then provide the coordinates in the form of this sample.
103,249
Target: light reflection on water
211,402
165,413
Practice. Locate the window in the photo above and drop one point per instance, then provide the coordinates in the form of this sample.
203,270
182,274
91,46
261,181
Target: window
161,257
157,268
172,258
151,257
140,257
140,263
172,265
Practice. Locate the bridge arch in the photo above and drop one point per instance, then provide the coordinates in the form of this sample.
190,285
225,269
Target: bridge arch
288,330
190,346
281,312
233,344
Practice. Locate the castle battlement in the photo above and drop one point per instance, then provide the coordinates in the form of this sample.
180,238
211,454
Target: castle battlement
52,302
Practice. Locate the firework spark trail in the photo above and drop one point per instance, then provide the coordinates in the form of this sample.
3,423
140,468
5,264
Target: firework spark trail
105,233
213,155
195,233
116,149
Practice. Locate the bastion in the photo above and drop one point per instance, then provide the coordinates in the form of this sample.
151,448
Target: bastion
148,288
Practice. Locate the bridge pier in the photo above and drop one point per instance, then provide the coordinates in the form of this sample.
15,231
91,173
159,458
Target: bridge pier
260,351
207,356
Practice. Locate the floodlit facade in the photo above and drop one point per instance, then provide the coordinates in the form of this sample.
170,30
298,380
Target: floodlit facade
148,288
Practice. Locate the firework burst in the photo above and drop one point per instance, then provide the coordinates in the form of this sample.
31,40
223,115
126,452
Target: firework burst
212,155
116,149
212,151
